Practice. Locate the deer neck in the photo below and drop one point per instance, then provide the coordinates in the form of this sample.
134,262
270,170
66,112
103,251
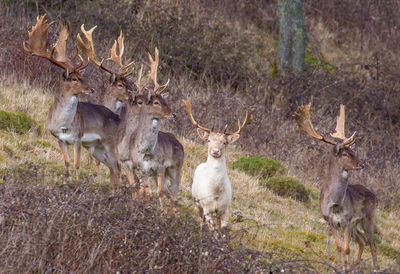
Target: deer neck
112,103
146,136
62,112
334,189
217,165
129,125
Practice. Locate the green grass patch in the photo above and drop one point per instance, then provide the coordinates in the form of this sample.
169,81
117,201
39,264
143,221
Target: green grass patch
287,187
314,61
258,166
389,251
42,143
20,122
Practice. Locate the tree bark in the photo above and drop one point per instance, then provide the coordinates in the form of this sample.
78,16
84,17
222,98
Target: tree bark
292,36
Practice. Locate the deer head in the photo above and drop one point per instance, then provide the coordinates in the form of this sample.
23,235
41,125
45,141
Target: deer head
217,141
37,45
345,156
119,87
151,101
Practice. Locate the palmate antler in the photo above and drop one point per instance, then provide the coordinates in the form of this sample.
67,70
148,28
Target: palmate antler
247,119
157,90
123,70
304,123
37,45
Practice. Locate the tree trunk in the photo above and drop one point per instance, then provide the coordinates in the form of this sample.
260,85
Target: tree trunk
292,36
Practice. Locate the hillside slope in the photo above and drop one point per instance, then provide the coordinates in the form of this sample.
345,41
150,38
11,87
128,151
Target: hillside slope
285,230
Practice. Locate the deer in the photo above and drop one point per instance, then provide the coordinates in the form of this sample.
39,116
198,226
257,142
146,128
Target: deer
117,91
143,148
144,106
62,122
211,188
343,205
74,122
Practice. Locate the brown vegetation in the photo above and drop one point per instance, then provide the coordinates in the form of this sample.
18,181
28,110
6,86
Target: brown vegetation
220,53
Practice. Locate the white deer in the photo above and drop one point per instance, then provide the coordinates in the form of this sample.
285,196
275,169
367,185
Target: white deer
211,188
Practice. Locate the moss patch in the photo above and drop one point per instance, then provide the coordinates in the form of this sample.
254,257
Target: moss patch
287,187
258,166
314,61
20,122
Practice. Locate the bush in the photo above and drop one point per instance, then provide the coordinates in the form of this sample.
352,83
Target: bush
287,187
258,166
18,121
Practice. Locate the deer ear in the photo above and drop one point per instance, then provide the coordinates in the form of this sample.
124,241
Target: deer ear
113,78
66,74
337,149
203,134
164,95
232,138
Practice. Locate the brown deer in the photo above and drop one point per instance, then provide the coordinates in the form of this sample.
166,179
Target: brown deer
152,153
211,188
63,122
73,122
342,204
117,91
143,107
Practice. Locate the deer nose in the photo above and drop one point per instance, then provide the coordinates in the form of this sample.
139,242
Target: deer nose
92,90
362,165
215,151
173,115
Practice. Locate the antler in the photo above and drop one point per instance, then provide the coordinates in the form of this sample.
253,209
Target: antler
304,122
37,41
153,74
188,104
138,85
90,52
247,120
339,131
118,58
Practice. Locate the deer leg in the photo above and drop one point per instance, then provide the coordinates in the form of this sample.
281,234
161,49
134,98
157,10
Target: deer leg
97,162
368,226
77,158
133,181
114,179
361,240
346,239
224,218
335,234
175,179
209,220
145,187
160,185
64,149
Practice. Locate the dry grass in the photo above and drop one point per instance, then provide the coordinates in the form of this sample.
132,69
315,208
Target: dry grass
223,82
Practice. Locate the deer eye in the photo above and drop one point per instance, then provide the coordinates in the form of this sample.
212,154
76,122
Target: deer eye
140,102
74,79
345,155
156,103
120,85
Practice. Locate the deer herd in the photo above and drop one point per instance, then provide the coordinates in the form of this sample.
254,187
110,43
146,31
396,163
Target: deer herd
120,129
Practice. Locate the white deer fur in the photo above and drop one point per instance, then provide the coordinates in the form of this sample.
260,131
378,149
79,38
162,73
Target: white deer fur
211,188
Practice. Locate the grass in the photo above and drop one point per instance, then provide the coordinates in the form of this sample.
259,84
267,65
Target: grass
258,166
19,122
223,82
287,187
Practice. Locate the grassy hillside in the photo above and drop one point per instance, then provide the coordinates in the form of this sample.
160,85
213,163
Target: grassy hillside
221,54
290,233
